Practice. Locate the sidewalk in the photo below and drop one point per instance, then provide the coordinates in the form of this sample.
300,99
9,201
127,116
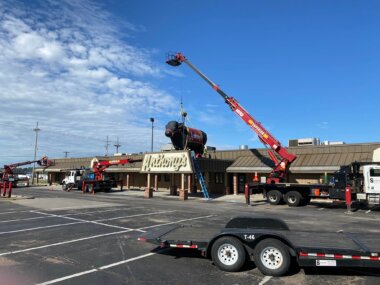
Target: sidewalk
240,198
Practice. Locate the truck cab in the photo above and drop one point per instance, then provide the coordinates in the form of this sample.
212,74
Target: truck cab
73,179
371,187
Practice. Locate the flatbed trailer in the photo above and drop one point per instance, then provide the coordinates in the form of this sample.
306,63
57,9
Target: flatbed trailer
271,245
294,194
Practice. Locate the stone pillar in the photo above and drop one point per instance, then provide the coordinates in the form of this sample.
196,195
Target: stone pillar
173,187
156,182
183,193
148,191
127,181
226,184
235,184
189,182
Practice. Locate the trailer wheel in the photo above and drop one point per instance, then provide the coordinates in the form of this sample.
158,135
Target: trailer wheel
228,254
272,257
274,197
293,199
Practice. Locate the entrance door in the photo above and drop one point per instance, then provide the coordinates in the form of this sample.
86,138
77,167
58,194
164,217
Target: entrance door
241,183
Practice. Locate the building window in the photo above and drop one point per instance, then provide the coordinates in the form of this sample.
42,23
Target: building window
158,177
166,177
209,180
219,178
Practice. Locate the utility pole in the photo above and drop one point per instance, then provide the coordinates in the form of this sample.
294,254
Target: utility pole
106,146
151,145
36,129
117,145
66,153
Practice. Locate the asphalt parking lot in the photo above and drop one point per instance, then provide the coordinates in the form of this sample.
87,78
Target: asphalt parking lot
69,238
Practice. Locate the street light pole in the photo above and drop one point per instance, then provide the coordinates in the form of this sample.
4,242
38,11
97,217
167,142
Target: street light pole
36,129
151,146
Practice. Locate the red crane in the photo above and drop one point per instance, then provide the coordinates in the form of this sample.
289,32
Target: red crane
8,177
98,167
281,166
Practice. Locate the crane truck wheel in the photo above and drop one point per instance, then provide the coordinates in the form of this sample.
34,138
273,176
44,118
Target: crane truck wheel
293,199
228,254
272,257
274,197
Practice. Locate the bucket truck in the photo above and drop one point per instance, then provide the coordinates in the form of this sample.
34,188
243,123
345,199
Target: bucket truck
8,177
93,179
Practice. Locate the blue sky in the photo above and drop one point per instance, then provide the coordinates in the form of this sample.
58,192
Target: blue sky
88,69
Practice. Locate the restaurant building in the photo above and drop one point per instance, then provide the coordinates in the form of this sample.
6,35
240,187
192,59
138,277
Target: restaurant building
225,172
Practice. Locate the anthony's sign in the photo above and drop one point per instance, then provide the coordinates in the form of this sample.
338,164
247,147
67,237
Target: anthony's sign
167,162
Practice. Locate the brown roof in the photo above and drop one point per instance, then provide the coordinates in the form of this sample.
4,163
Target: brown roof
64,164
312,159
309,159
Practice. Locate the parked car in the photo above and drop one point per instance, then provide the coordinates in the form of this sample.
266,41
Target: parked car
22,181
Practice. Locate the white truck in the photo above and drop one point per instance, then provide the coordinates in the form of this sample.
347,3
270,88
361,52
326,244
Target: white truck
370,189
73,179
362,178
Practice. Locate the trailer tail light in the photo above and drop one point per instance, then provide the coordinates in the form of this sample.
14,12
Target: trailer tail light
317,192
183,245
338,256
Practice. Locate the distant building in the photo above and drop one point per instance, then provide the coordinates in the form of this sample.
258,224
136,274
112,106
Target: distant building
304,142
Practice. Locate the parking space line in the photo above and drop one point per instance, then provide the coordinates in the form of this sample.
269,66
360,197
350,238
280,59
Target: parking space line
25,219
72,214
265,280
43,227
95,236
64,242
180,221
78,221
137,215
96,269
13,212
83,221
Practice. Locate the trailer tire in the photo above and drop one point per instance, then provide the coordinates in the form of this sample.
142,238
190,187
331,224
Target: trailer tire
272,257
228,254
293,199
274,197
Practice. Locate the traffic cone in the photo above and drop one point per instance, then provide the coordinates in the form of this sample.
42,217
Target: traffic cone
256,178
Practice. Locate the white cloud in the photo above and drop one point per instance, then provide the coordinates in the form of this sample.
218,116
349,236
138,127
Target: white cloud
323,125
63,64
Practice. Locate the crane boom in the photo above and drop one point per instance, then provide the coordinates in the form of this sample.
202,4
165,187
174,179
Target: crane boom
8,169
281,167
98,167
